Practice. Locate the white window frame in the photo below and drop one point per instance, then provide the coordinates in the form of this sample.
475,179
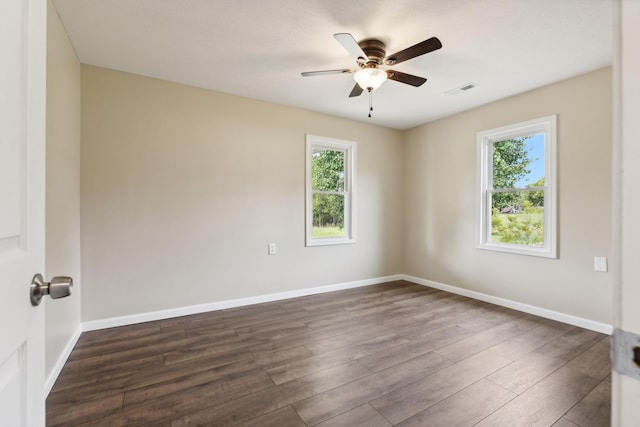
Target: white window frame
315,142
485,140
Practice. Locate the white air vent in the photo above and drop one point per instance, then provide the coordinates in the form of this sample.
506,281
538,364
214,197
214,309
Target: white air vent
465,87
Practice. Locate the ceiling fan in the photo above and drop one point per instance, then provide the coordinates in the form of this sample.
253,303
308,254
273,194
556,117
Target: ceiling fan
370,54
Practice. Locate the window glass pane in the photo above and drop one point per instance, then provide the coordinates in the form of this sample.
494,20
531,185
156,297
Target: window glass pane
519,162
327,170
328,215
520,222
535,153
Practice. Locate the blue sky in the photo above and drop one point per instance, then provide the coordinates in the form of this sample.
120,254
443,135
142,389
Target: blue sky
535,147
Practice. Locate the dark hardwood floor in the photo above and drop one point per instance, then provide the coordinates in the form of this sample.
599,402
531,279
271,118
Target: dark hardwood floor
391,354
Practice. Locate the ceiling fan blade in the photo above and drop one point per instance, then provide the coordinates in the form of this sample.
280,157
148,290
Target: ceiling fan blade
421,48
356,91
322,73
409,79
351,45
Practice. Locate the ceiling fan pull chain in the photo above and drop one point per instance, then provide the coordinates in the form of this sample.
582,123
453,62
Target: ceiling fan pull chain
370,102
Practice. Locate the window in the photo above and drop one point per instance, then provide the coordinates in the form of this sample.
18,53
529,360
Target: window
517,188
330,188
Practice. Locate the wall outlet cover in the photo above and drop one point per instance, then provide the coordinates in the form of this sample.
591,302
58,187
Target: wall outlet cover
600,264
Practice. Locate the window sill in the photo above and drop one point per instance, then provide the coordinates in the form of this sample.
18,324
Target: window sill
330,241
518,250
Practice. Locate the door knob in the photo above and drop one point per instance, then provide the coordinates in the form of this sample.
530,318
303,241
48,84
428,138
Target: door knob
58,287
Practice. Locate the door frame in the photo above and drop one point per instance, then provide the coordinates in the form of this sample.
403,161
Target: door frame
625,390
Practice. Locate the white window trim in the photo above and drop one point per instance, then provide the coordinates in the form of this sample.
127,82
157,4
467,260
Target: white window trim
349,147
546,125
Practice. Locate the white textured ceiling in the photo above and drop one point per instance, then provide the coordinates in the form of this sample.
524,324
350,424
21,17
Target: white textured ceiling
258,49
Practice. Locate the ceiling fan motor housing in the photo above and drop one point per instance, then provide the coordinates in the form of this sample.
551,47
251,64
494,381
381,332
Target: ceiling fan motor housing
375,51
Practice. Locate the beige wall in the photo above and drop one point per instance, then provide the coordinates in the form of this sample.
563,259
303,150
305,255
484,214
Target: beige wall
63,186
440,210
183,188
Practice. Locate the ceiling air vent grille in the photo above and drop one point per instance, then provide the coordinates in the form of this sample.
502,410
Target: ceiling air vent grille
464,88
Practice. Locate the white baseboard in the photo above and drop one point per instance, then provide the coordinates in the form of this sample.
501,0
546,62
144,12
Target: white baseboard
531,309
57,368
220,305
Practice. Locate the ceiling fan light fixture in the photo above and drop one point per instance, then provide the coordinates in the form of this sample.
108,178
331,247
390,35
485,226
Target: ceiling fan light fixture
370,78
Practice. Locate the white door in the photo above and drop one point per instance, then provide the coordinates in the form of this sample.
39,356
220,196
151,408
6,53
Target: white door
22,186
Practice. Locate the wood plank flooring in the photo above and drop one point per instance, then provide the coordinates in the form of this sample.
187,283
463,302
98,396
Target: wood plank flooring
391,354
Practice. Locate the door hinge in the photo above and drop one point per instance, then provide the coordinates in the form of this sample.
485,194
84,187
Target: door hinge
625,353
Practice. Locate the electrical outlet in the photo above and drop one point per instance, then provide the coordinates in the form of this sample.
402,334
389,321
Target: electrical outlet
600,264
272,249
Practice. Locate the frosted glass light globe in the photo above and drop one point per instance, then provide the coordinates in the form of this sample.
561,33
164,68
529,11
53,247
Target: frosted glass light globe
370,78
